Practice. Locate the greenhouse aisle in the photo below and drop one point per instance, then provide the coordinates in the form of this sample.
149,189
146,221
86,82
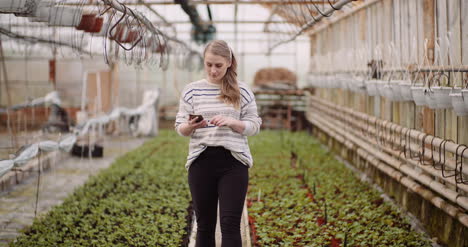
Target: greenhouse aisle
244,231
56,184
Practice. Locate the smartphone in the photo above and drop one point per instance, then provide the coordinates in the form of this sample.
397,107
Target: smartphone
199,117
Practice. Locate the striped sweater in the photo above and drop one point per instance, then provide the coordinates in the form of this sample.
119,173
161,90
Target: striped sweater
201,97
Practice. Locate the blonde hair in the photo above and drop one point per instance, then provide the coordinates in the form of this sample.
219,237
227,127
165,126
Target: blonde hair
230,92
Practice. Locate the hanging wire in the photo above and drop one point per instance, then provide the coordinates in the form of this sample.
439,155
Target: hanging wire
333,6
459,176
304,16
144,43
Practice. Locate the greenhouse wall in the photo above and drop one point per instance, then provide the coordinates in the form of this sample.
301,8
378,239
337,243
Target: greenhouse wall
406,40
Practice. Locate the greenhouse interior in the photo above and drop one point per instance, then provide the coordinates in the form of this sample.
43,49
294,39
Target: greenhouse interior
234,123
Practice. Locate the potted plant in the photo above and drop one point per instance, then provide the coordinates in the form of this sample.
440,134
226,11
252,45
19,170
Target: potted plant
441,92
131,37
160,48
429,96
458,102
371,87
464,93
87,22
96,28
405,89
418,94
42,12
379,86
16,6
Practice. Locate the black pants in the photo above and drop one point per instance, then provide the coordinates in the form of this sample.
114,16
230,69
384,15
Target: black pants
214,175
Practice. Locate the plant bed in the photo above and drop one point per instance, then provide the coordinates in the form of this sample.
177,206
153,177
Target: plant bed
317,202
141,200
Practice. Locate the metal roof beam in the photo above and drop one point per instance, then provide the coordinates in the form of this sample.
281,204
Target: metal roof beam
171,2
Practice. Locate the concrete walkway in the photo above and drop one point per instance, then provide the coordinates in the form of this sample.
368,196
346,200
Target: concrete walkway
17,205
245,233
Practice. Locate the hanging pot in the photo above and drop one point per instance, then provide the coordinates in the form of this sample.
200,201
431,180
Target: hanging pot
346,83
322,81
65,17
319,81
391,91
87,22
396,93
339,83
132,36
96,28
371,87
160,48
386,91
352,84
14,6
42,11
458,102
405,90
442,96
349,83
330,81
360,85
29,8
431,101
464,93
417,92
380,88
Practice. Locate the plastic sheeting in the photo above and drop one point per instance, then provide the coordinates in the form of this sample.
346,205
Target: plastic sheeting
30,151
148,121
50,98
5,166
147,126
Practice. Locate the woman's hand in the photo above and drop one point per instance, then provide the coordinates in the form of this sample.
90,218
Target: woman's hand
220,120
187,128
194,125
234,124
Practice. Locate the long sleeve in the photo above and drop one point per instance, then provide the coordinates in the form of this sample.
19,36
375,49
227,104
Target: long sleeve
185,108
249,114
202,98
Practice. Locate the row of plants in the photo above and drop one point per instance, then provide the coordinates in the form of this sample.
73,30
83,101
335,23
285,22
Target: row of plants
141,200
300,195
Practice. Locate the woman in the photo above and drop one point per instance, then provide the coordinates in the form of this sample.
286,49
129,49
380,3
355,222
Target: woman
219,155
